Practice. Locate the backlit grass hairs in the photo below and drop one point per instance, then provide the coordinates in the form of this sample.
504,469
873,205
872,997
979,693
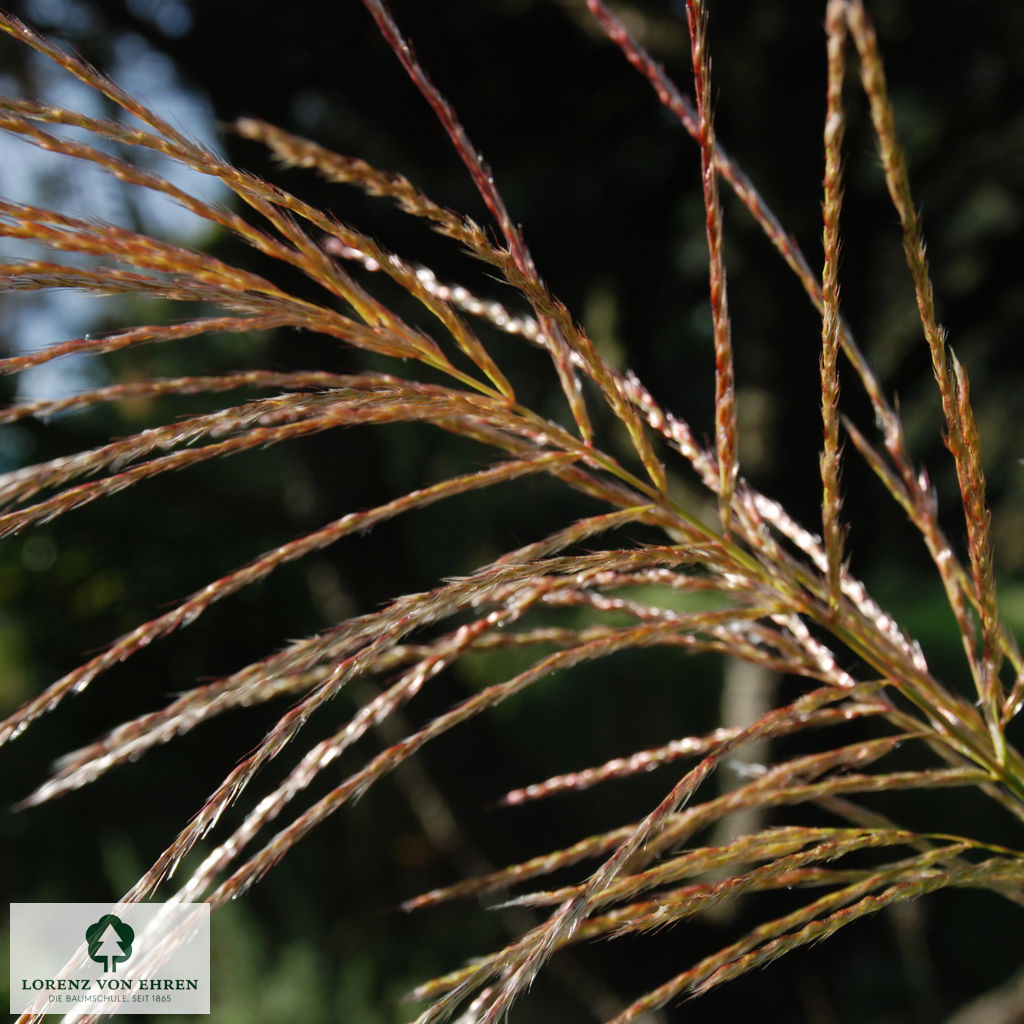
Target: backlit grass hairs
782,598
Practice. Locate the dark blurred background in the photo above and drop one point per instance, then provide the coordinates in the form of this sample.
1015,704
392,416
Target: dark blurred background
606,187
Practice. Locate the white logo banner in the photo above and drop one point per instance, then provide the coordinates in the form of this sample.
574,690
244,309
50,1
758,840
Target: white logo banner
80,958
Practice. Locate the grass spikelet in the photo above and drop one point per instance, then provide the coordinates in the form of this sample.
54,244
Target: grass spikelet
834,128
725,388
979,549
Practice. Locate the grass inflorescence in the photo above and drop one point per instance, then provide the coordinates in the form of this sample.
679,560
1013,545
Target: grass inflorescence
746,582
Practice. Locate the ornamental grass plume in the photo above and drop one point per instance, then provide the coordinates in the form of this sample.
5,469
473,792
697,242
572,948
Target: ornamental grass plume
649,565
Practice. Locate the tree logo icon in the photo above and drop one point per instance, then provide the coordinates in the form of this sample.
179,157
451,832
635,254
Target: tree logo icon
110,941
